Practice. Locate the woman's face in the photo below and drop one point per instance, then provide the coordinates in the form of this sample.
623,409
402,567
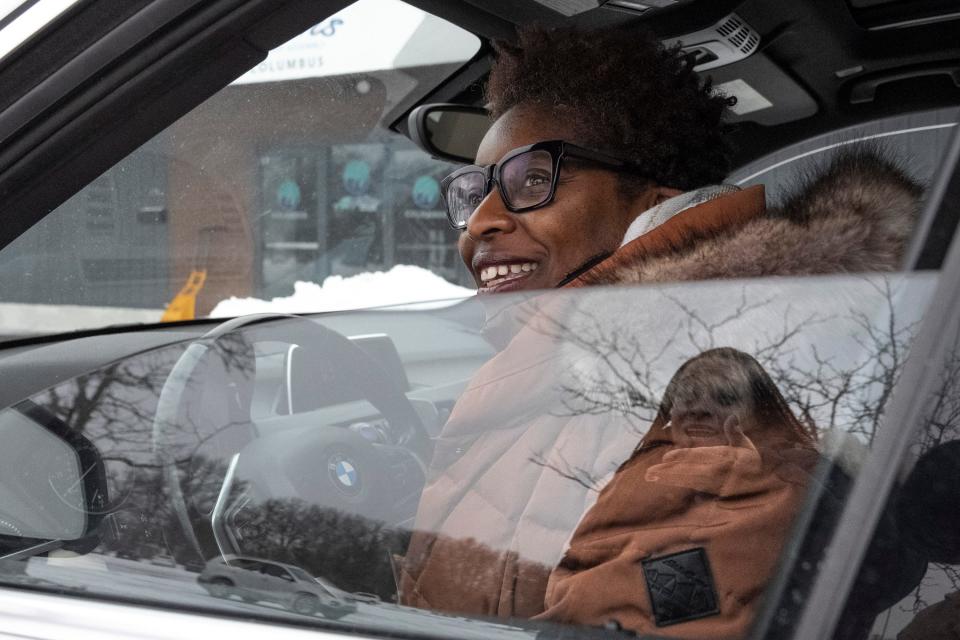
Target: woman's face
708,396
535,250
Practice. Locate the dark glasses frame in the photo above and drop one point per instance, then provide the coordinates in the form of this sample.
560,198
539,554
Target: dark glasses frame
558,149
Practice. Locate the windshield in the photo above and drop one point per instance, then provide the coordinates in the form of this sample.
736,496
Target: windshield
286,187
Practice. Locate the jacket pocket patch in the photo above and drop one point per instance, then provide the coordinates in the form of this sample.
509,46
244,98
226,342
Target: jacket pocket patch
680,586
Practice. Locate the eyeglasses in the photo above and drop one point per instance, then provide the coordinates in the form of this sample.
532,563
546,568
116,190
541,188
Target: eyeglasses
526,178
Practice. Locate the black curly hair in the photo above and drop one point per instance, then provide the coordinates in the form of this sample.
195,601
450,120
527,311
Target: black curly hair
622,92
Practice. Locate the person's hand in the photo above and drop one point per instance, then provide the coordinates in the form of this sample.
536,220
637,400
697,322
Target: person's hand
721,469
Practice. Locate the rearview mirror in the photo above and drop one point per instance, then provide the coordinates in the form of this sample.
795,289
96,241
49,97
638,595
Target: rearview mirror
449,131
52,484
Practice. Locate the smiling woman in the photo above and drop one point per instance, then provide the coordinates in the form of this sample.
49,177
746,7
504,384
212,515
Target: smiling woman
605,149
604,166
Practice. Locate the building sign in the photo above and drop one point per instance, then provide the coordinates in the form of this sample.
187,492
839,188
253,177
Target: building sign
404,35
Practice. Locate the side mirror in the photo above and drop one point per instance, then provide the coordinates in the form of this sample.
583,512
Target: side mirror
449,131
52,484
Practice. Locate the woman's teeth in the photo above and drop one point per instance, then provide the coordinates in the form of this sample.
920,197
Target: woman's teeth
492,275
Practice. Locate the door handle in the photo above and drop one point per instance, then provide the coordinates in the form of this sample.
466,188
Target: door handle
865,90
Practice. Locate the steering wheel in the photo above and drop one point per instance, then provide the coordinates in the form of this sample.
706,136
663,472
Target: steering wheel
216,464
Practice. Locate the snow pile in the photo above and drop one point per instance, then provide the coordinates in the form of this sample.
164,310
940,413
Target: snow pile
403,284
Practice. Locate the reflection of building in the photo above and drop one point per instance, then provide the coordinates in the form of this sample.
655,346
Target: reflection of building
265,184
322,192
285,175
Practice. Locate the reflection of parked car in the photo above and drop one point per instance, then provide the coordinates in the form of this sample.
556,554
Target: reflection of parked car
361,596
358,596
163,560
259,580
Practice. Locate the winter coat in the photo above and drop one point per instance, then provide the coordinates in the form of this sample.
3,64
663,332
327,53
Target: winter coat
512,475
726,509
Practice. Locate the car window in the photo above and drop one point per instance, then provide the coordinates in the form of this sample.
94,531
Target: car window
245,564
926,495
301,574
274,571
338,491
907,584
282,185
916,141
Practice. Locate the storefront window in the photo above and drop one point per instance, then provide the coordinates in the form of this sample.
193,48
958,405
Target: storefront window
349,209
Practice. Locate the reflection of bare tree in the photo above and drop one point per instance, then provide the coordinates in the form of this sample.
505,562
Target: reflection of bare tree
115,408
351,551
942,421
558,463
851,397
145,524
937,577
827,392
834,393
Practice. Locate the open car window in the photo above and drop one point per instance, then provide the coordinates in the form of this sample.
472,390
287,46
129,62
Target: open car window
284,179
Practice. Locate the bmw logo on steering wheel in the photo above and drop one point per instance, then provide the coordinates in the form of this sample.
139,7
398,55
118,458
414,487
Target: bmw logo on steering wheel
344,474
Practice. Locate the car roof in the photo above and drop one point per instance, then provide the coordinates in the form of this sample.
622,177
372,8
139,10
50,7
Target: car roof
856,60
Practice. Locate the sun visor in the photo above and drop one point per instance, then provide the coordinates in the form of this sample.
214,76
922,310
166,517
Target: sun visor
764,93
729,52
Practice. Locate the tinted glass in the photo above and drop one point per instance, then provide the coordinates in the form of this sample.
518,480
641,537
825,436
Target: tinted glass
542,446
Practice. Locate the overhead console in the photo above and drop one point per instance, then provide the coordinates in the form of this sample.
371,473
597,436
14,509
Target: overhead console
760,91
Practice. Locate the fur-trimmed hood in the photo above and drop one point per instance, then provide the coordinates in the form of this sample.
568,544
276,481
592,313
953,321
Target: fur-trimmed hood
854,216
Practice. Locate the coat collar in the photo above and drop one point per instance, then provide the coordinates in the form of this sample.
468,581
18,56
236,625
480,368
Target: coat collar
661,213
853,216
678,233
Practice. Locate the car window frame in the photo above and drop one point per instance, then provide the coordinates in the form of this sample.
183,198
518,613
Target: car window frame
871,487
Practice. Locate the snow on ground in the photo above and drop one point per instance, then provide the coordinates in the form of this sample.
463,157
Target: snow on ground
401,285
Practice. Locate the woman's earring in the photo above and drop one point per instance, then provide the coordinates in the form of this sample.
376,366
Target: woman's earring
668,425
